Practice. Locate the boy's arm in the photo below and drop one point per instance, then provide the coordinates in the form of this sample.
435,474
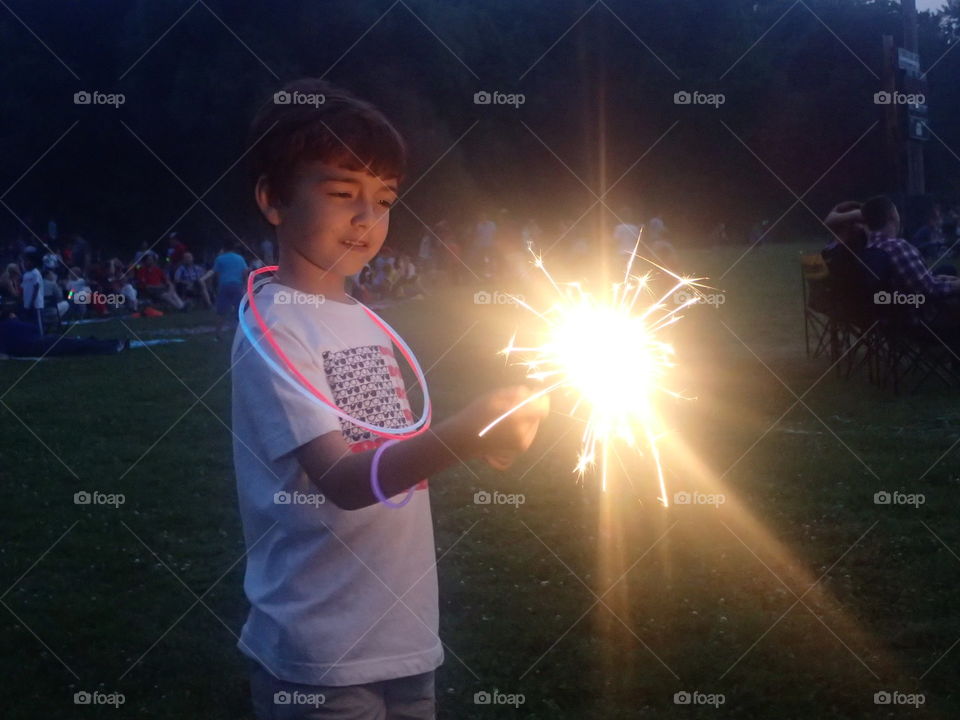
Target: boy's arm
837,219
344,477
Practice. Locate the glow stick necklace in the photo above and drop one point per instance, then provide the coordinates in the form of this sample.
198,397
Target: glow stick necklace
300,383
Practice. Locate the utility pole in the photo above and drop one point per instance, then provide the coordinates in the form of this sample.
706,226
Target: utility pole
892,130
916,184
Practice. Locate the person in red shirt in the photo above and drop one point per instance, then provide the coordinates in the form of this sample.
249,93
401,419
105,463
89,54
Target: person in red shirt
154,284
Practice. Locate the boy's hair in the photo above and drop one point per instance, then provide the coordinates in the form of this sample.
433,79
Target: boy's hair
310,120
877,211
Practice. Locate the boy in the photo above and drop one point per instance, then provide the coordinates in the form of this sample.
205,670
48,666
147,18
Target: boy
343,589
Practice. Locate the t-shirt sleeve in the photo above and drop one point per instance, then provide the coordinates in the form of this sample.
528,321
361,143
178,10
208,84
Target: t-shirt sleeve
282,417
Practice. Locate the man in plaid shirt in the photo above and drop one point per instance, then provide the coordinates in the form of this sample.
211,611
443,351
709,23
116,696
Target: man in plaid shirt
910,273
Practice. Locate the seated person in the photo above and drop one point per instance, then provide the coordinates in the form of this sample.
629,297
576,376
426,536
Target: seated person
75,281
901,269
10,284
188,280
910,273
78,291
407,283
118,282
153,283
930,240
851,279
23,339
53,293
362,289
385,276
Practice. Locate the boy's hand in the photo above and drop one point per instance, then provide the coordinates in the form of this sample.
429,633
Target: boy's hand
510,437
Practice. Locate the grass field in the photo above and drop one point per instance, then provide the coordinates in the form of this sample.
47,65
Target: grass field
798,597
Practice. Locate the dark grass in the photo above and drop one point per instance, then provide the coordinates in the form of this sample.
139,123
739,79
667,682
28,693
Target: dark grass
695,590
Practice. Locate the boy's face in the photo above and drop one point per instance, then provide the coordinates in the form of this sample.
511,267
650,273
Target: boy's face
336,219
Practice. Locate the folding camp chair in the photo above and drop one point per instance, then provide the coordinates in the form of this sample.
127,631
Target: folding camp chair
814,276
913,352
907,347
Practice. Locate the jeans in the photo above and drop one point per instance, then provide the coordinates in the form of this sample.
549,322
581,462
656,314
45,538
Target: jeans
407,698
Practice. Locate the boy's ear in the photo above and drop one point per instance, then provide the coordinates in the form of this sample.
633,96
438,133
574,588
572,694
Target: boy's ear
263,198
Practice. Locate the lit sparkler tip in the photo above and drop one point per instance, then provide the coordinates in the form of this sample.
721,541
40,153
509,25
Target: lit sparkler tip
607,350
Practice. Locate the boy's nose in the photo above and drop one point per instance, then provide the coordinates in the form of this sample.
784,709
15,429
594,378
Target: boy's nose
365,214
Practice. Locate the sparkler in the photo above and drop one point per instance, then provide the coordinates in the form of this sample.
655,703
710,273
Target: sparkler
608,353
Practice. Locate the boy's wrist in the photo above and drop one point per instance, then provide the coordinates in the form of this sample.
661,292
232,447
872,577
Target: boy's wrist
459,440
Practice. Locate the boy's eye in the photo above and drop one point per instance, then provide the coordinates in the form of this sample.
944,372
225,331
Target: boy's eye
340,194
387,203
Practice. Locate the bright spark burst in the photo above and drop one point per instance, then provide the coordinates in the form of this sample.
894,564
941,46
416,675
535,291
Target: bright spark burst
607,352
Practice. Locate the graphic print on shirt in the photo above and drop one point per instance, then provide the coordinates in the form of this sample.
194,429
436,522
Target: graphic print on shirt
367,384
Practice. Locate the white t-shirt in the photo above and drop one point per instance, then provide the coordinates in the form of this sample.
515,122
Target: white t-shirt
323,582
29,283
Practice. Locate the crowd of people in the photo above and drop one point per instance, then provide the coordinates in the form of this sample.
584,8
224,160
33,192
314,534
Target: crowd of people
498,246
61,279
50,280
